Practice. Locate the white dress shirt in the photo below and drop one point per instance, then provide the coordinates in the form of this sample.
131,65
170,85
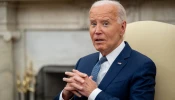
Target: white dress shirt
105,67
103,70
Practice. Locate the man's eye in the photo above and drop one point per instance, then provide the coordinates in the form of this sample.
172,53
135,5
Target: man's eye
93,24
105,24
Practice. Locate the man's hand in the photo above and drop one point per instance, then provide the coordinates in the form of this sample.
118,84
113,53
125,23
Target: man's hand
84,84
79,83
86,87
69,90
68,93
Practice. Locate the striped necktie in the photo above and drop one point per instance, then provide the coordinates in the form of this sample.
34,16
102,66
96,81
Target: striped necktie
96,68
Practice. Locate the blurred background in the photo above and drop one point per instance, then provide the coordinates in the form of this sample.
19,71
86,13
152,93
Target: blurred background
41,39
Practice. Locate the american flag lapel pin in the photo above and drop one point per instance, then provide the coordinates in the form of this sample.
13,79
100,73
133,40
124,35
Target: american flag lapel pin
119,63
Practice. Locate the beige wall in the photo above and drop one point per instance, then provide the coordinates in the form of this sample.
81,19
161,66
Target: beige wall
157,10
52,16
75,16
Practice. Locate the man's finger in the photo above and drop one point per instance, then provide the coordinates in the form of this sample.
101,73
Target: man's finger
70,74
68,80
79,79
78,87
68,88
91,77
79,73
76,93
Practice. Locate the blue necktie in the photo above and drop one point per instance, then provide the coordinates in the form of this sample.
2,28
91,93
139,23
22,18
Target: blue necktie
96,68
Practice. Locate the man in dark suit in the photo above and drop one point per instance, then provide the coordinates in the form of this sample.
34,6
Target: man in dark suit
116,72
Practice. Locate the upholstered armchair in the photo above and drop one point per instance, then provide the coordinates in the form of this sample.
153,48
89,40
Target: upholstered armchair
157,41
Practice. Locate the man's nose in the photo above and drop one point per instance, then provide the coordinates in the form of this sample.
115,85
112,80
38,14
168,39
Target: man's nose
98,30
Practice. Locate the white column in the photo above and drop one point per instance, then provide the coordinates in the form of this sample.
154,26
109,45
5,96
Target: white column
7,27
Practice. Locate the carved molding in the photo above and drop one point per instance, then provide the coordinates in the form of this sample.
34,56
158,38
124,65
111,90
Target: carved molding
8,36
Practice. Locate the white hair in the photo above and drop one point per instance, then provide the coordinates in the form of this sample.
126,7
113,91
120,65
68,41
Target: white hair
120,9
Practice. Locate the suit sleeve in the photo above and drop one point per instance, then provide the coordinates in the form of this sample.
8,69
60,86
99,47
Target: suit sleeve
141,85
143,82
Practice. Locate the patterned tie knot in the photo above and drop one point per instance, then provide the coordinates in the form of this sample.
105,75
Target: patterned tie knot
96,68
102,60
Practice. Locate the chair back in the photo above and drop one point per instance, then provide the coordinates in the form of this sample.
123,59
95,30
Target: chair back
157,41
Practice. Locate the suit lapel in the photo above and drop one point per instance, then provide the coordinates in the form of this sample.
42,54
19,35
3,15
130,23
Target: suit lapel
91,65
89,70
116,67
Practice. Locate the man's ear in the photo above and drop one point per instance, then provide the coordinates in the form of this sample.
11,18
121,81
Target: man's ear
123,27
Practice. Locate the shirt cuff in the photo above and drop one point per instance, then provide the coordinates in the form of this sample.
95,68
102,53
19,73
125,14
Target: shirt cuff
61,97
94,93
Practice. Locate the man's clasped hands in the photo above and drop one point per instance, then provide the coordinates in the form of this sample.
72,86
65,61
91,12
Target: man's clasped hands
78,83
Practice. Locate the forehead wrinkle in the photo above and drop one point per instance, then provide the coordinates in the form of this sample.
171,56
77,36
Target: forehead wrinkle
104,11
104,16
100,13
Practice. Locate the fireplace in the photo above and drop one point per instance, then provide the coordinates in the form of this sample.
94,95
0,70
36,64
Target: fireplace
49,81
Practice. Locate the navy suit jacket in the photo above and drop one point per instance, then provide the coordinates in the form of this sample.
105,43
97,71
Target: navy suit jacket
130,77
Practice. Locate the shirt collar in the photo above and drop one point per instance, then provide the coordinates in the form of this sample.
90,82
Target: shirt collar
114,54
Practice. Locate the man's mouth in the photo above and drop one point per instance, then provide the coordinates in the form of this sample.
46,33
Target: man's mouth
99,40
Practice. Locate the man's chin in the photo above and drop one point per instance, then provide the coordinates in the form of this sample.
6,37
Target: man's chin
100,49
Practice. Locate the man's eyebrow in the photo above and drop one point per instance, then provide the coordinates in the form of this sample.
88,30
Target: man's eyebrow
92,19
106,19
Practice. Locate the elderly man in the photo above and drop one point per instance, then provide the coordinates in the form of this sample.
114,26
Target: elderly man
116,72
